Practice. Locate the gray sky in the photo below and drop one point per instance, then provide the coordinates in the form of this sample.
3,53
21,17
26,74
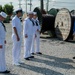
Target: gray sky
70,4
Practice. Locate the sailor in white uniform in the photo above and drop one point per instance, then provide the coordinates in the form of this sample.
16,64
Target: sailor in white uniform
16,37
2,44
36,36
28,35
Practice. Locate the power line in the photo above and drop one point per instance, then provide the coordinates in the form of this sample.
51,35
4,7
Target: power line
63,2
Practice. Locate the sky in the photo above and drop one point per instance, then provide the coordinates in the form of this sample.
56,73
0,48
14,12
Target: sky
70,4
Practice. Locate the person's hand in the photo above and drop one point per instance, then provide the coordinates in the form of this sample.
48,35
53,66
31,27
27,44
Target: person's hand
1,46
5,41
26,36
18,39
37,30
35,35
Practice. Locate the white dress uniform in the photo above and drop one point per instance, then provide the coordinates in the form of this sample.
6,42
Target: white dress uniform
28,30
2,50
36,40
16,44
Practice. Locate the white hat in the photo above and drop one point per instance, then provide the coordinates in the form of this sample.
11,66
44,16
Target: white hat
30,12
3,14
19,9
34,13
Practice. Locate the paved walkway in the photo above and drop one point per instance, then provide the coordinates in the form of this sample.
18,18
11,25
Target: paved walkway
56,58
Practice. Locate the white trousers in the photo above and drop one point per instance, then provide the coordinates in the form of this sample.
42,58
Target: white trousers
35,43
16,49
2,59
27,46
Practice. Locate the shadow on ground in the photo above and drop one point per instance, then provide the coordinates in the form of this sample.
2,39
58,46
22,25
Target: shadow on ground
44,71
57,62
57,59
9,74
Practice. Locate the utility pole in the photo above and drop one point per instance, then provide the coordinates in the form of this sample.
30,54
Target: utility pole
26,5
11,3
30,4
19,3
47,5
42,5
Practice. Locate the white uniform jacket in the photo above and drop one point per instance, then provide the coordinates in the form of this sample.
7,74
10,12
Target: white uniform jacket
28,27
2,34
17,23
36,27
2,50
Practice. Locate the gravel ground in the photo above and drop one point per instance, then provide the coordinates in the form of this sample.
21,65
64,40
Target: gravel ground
56,58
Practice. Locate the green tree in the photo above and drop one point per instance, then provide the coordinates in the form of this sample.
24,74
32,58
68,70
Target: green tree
8,9
1,8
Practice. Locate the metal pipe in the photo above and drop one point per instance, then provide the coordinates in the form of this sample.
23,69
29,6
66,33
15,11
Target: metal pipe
47,5
42,5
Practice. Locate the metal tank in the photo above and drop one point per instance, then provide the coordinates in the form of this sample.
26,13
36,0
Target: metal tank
53,11
46,20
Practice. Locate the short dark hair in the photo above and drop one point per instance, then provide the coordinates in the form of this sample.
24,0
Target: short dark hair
19,11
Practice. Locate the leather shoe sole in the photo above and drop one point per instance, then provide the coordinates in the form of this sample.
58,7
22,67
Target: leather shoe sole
39,53
26,58
31,57
5,71
73,57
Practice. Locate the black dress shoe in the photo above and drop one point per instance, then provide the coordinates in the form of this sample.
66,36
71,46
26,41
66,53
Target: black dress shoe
5,71
31,57
39,53
26,58
32,53
73,57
